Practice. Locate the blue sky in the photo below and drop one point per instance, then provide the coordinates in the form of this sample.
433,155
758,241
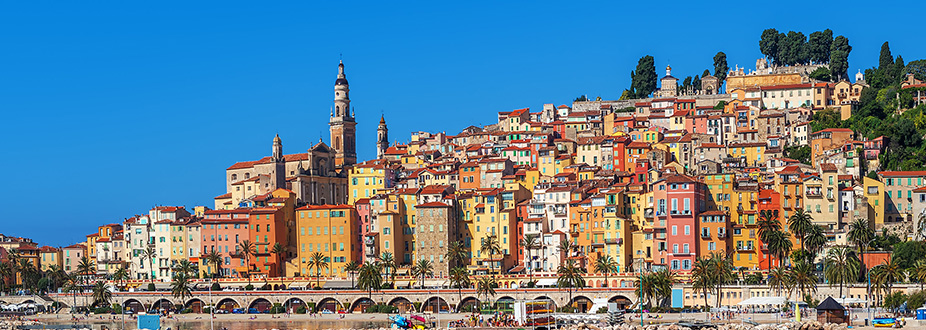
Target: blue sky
110,108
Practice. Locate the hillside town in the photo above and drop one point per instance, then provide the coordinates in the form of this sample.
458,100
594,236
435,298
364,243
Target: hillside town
636,185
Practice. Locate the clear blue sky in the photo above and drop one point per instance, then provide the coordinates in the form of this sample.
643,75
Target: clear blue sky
110,107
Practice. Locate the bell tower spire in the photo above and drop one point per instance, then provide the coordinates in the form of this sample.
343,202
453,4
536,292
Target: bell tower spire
342,123
382,138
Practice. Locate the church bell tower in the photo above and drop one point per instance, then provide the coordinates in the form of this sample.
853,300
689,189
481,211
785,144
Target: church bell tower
382,138
278,176
342,124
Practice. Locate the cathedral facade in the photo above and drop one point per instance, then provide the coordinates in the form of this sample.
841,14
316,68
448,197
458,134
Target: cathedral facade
317,176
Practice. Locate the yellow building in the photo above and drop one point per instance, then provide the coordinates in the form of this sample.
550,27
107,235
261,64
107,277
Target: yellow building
49,256
367,179
874,193
329,230
753,152
484,215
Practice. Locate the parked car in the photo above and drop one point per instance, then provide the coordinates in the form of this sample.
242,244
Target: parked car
253,311
238,311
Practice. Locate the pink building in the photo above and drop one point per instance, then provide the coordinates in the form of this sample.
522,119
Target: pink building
365,225
223,231
678,201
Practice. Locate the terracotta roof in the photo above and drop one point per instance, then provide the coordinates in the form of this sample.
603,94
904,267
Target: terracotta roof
432,204
902,173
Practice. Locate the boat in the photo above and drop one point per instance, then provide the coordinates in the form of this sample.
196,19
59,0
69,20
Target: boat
885,322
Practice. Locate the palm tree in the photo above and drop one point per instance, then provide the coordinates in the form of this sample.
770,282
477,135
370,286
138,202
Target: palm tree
352,267
815,240
702,277
485,287
768,223
456,253
387,261
150,254
184,267
6,271
101,294
918,272
490,247
247,249
779,245
317,260
663,281
180,286
645,289
605,265
799,224
530,242
214,258
459,277
802,277
121,275
424,268
722,269
842,266
369,278
279,250
920,226
85,267
887,273
779,278
570,277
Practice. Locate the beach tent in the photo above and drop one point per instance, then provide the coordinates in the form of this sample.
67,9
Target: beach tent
830,311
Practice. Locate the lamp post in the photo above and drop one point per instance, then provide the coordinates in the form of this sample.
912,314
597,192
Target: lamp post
211,308
868,274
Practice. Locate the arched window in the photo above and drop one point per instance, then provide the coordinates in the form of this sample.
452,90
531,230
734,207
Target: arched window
337,110
234,177
247,176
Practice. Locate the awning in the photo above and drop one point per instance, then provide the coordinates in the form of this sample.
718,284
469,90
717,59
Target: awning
517,269
434,283
401,284
298,285
161,286
337,284
761,301
546,282
235,285
848,301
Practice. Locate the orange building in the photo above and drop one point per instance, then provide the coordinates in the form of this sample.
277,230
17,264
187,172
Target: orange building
331,230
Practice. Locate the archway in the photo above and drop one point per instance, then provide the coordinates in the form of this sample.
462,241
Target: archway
468,304
259,305
133,305
330,304
227,304
548,298
614,283
621,301
292,305
435,305
402,304
581,304
361,305
504,304
195,304
162,305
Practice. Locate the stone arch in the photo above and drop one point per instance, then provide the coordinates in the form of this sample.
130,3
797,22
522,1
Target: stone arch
614,284
580,303
292,304
361,304
195,304
227,304
134,305
435,304
504,303
261,305
162,304
548,298
329,303
622,301
402,303
468,304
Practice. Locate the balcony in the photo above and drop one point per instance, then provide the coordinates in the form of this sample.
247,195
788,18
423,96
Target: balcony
744,248
705,235
722,235
813,193
614,241
648,213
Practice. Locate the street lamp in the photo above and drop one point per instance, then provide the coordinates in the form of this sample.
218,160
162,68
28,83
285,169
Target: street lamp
211,308
868,274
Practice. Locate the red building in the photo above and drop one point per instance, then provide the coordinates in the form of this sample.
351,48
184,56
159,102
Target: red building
769,200
678,201
223,231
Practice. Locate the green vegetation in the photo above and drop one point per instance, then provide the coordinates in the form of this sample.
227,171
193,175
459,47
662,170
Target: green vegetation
798,153
794,48
643,79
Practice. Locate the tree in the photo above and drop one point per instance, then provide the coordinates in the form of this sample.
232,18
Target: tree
387,261
819,44
822,73
456,253
800,224
423,268
485,287
768,44
722,269
720,66
180,286
702,278
779,245
860,234
917,68
885,60
490,247
459,278
887,273
570,277
278,250
85,267
567,247
791,48
101,294
842,266
149,254
185,268
663,281
352,268
908,252
803,278
215,259
530,242
643,79
778,279
802,153
768,223
605,265
247,249
370,278
318,261
815,240
120,275
839,57
581,98
696,83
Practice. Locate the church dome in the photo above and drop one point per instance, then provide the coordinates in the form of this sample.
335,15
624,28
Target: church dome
340,81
